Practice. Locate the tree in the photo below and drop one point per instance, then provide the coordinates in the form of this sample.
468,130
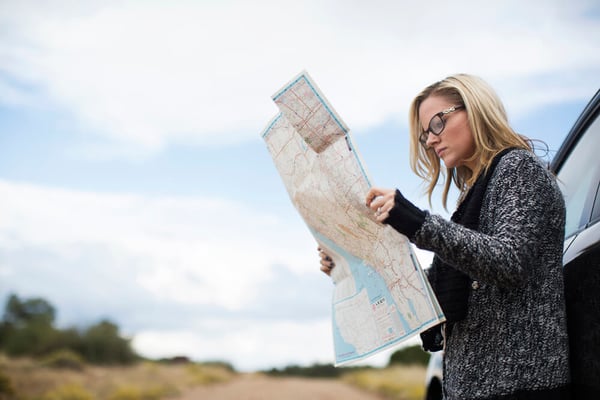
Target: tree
27,326
102,344
19,313
27,329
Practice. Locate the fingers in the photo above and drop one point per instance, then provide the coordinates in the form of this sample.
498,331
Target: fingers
376,197
326,270
381,201
327,263
381,214
372,194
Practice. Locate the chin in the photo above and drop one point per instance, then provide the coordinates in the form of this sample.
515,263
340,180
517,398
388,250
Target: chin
450,164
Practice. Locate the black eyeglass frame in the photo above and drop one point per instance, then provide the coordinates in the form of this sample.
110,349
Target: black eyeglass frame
424,135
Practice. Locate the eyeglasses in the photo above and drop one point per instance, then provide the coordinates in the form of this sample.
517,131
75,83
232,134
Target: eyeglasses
437,124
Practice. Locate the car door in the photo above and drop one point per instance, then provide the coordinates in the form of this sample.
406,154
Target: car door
577,165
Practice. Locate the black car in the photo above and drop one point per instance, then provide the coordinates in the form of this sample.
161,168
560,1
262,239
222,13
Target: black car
577,165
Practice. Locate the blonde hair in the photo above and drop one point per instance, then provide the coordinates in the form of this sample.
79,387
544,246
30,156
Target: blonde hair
488,123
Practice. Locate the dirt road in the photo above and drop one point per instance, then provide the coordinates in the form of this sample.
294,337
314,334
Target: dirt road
259,387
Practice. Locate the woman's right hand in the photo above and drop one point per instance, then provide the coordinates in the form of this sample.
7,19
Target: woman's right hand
327,263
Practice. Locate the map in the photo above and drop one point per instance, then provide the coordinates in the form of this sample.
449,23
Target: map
381,295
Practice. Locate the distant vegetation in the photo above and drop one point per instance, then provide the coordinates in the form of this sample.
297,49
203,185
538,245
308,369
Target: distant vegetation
412,355
407,356
313,371
27,329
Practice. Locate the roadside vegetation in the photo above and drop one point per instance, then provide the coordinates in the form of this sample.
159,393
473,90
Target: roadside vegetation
30,379
41,362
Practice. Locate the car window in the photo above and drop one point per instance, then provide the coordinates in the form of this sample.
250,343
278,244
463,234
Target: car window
578,179
596,209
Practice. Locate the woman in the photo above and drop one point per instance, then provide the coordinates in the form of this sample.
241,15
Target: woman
497,269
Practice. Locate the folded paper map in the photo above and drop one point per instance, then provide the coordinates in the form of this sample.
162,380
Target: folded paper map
381,296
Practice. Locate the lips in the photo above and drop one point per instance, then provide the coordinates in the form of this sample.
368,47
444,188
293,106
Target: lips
440,151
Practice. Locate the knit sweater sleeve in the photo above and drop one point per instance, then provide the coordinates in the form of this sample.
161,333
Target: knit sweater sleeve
521,205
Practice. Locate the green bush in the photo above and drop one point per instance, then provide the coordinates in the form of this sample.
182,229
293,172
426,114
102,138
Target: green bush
64,358
102,344
413,355
32,338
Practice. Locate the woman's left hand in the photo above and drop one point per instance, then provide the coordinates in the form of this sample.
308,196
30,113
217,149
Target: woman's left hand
381,201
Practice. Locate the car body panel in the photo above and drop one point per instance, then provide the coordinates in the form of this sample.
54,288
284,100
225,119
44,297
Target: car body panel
577,166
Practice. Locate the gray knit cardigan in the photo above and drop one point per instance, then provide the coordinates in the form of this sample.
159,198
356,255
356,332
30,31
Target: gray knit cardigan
514,336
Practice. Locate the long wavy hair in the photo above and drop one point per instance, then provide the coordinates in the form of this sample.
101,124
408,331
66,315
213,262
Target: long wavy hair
489,126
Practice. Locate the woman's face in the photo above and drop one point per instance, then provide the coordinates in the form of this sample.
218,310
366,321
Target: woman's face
455,143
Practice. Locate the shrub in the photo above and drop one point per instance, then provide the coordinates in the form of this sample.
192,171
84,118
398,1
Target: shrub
102,344
126,393
204,375
7,390
65,358
136,393
219,364
68,392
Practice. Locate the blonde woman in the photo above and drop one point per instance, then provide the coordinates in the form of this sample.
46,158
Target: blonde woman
497,270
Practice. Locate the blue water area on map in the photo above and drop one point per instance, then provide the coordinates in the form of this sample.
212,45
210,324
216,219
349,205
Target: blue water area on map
365,277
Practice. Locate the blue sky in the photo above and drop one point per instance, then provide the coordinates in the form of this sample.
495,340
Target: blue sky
134,183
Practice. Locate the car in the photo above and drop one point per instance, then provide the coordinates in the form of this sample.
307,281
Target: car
577,168
433,377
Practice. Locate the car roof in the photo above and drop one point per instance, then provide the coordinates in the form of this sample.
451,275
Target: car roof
583,121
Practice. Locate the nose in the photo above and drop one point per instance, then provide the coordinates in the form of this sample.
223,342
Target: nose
431,139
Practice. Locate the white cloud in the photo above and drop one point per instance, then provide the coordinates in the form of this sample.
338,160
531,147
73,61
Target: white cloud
153,73
187,250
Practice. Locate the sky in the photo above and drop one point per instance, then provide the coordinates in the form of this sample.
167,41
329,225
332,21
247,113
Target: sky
134,182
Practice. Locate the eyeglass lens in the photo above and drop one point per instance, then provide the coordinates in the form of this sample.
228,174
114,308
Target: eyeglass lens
436,125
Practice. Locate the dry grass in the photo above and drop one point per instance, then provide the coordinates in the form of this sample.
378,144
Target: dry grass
26,379
397,382
144,381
